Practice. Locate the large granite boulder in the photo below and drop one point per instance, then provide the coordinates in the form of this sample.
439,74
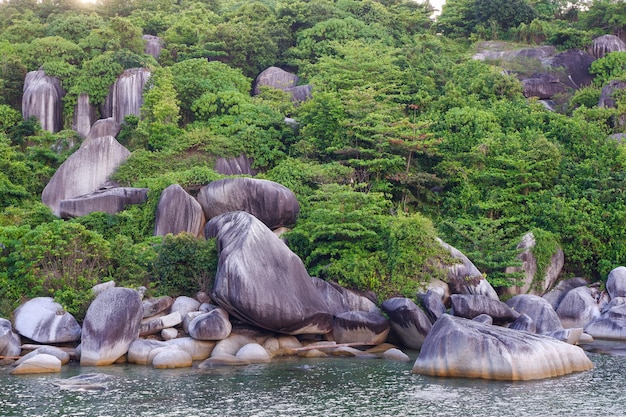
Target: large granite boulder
178,212
84,172
101,128
43,99
111,324
276,78
610,325
580,306
213,325
539,310
556,295
261,281
408,322
111,201
461,348
154,45
606,44
239,165
360,327
44,321
470,306
464,277
84,116
616,282
534,282
126,94
272,203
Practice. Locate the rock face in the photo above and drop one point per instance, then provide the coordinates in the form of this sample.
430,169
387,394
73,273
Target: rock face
500,51
178,212
109,201
535,282
616,282
606,44
44,321
260,281
272,203
457,347
126,94
360,327
580,306
433,305
154,45
42,99
470,306
240,165
408,321
84,116
464,277
102,127
276,78
85,171
111,325
539,310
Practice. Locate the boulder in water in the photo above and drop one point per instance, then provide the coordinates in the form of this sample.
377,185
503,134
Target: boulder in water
462,348
261,281
111,324
38,364
10,343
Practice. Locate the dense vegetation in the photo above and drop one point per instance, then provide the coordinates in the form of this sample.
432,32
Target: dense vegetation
406,138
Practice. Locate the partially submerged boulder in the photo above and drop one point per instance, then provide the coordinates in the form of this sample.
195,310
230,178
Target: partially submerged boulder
409,323
45,321
111,324
261,281
178,212
270,202
43,99
39,364
461,348
85,171
111,201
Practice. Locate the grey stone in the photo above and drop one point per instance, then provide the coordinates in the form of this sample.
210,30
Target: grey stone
126,94
213,325
605,44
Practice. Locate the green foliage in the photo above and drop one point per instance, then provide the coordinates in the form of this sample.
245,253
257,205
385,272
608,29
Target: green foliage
185,265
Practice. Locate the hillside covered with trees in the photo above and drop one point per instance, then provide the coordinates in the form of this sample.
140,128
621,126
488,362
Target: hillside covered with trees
405,137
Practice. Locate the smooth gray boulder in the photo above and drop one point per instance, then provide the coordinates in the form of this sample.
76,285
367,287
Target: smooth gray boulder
360,327
534,282
45,321
253,353
198,349
300,93
408,322
154,45
178,212
616,282
43,99
185,305
84,172
213,325
433,305
464,277
111,201
556,295
84,116
610,325
270,202
539,310
461,348
101,128
580,306
275,77
153,306
171,359
261,281
126,94
605,44
111,324
239,165
156,324
470,306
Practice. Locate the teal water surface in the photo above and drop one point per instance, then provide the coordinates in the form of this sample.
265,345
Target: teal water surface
315,387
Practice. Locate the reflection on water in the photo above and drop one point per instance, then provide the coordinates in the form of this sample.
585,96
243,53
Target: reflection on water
315,387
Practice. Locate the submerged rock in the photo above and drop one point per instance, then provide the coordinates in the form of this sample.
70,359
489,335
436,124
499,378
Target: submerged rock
38,364
84,382
457,347
610,325
261,281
